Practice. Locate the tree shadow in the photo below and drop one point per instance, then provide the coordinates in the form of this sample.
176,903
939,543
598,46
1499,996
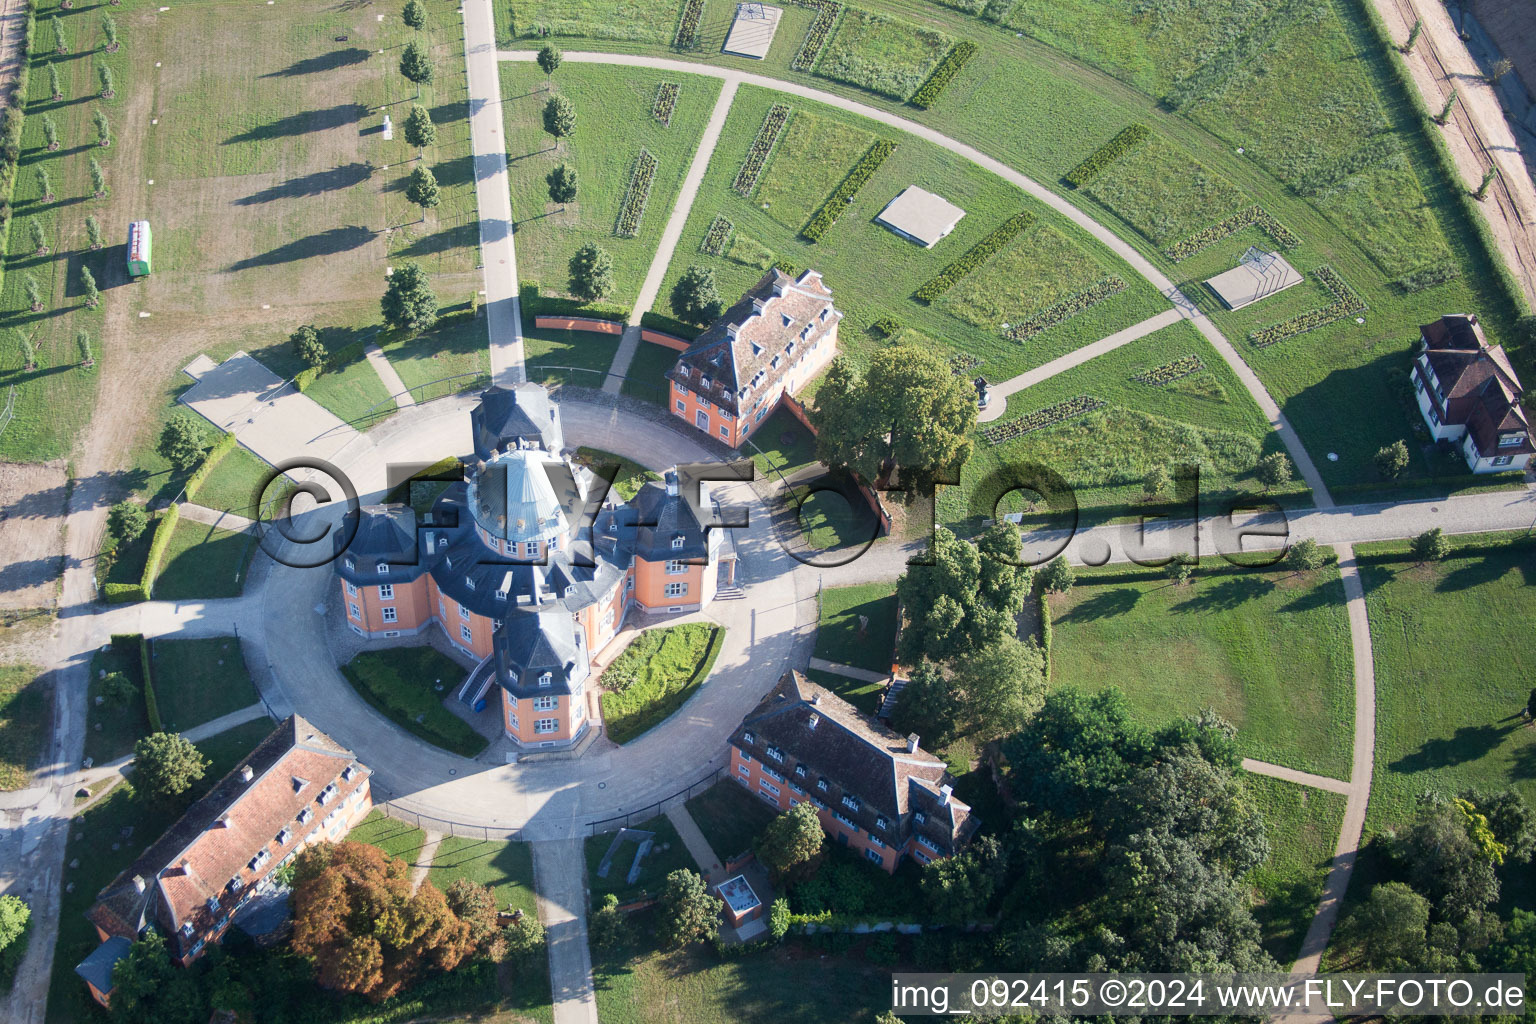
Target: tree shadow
1524,766
325,62
1469,743
458,171
1470,574
323,243
314,184
1104,604
299,124
440,241
443,113
1228,594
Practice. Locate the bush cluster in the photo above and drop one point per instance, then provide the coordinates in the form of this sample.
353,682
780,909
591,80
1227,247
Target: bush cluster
1170,372
633,206
827,12
1207,237
762,145
688,26
1426,277
666,99
963,362
1041,418
1128,139
1345,302
833,208
942,75
717,237
886,326
1066,309
979,254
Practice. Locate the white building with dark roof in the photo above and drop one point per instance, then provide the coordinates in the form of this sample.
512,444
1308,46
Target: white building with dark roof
1468,394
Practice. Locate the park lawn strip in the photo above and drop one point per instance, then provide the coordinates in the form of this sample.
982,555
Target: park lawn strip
454,347
1447,712
866,697
777,457
237,482
120,726
667,854
730,818
400,683
204,562
24,722
878,53
814,154
580,358
654,21
645,379
1038,269
1269,651
1164,193
602,151
351,389
199,680
838,637
393,836
1303,828
506,868
667,666
829,522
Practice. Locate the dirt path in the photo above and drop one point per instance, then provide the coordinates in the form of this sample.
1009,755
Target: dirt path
13,29
1477,134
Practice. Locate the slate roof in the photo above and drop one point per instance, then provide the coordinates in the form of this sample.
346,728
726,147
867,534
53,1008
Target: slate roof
532,642
750,348
385,533
808,727
97,968
1480,387
507,416
661,518
521,495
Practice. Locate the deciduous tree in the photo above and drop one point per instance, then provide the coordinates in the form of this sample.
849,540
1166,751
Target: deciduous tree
1430,546
89,293
694,297
562,184
1058,575
308,346
475,905
688,911
98,179
959,889
55,86
109,33
93,232
1157,481
148,989
50,132
967,599
608,930
103,128
166,764
560,117
108,81
791,838
549,58
14,915
998,686
1305,556
181,442
1392,459
1273,470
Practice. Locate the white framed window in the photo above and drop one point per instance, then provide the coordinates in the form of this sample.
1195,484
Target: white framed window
748,738
1503,460
767,787
382,568
388,614
350,564
851,802
881,823
875,841
845,820
467,634
512,717
821,784
391,632
874,855
546,725
800,770
469,581
351,589
530,549
701,420
495,625
546,679
607,618
629,584
546,703
776,754
386,591
676,567
679,388
704,402
681,406
463,612
725,431
677,541
356,614
676,589
744,769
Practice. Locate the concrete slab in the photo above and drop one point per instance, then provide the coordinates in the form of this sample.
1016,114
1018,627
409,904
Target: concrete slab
199,366
1258,276
920,216
753,30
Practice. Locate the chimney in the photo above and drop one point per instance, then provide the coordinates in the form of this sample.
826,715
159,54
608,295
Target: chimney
816,698
810,723
911,742
246,774
1472,319
138,883
944,794
671,479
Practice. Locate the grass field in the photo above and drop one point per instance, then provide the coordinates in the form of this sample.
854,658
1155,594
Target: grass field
393,836
120,726
1447,712
1039,269
198,680
881,54
838,637
203,561
654,21
814,154
235,483
1269,651
399,683
664,668
507,868
730,818
351,389
613,123
1163,192
1303,828
667,854
546,353
24,722
631,476
455,346
645,379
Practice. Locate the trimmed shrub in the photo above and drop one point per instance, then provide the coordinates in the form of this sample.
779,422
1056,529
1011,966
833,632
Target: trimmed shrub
666,100
1041,418
1128,139
151,701
827,12
157,546
306,377
122,593
757,157
536,304
1066,309
886,326
948,68
1345,302
1045,633
1170,372
1207,237
687,31
823,219
222,447
717,237
632,208
669,325
979,254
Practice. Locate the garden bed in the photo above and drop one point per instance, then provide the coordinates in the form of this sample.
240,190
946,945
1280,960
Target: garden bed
400,684
655,675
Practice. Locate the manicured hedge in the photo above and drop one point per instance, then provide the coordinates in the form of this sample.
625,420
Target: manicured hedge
688,29
632,208
157,546
1065,309
823,219
1169,372
307,377
717,237
762,146
1207,237
535,304
151,701
122,593
979,254
1042,418
928,93
668,325
1128,139
1045,632
1345,302
666,100
222,447
827,12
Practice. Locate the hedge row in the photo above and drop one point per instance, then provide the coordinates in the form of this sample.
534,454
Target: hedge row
1345,302
762,146
822,220
669,325
535,304
1045,632
1169,372
632,208
151,700
122,593
666,99
717,237
1426,277
1204,239
306,377
942,75
162,540
10,132
886,326
1042,418
827,12
979,254
688,27
222,447
1066,309
1128,139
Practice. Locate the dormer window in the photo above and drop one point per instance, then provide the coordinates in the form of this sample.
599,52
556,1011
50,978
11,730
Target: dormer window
776,753
569,591
757,349
256,862
349,773
800,770
825,312
469,581
775,362
789,350
677,542
234,884
1511,440
918,817
305,815
186,928
821,784
327,794
746,737
706,382
501,595
350,564
282,837
213,904
788,320
880,823
299,784
382,568
850,802
547,679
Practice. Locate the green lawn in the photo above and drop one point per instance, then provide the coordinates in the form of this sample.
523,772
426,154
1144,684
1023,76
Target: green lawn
645,379
400,683
1163,192
196,681
394,837
547,354
814,154
881,54
507,868
226,750
235,483
113,729
613,120
352,389
1039,269
655,675
667,854
25,722
654,21
1303,828
631,475
1269,651
203,562
1447,710
838,636
774,455
864,696
730,818
456,345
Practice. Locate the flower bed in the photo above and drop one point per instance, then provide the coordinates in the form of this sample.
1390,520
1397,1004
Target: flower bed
979,254
717,237
688,26
1345,302
1041,418
1065,309
1169,372
1202,240
815,36
666,99
762,147
942,75
635,196
962,363
1128,139
868,164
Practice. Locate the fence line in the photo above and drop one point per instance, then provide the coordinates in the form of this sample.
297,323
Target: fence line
9,412
652,810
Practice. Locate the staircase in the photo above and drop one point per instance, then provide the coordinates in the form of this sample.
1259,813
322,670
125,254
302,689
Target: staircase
725,591
892,692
